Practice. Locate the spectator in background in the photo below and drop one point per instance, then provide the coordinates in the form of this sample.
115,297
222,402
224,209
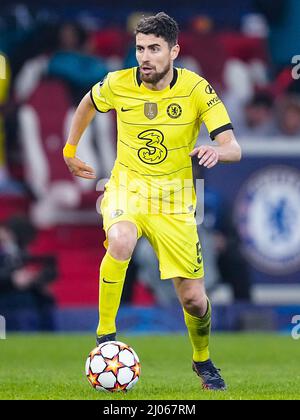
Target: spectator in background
288,116
226,261
222,246
232,264
47,112
259,117
71,61
25,300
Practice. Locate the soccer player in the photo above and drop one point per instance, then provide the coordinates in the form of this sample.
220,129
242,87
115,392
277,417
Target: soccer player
150,192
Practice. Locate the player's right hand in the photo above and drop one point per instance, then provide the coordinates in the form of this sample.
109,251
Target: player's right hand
79,168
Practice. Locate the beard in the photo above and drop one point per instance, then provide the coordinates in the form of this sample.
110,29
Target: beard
155,77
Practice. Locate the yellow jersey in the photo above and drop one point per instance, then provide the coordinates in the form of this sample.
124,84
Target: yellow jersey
157,130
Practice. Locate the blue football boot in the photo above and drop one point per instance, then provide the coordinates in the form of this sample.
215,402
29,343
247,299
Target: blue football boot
209,375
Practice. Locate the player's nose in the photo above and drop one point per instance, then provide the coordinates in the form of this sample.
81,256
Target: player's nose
145,56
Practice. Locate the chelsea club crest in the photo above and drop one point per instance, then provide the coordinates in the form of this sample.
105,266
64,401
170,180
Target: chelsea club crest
268,218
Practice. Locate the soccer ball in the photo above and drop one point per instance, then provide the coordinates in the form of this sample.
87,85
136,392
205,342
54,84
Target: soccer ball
113,366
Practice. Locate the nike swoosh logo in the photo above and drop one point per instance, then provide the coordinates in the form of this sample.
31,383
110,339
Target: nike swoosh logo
126,109
109,282
195,270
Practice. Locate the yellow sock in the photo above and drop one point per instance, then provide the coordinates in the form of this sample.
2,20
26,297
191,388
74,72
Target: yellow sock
112,276
199,332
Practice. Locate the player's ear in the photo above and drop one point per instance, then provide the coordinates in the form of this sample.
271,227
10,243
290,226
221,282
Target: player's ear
174,52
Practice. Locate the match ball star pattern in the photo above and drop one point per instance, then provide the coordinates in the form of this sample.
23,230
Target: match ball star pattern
113,366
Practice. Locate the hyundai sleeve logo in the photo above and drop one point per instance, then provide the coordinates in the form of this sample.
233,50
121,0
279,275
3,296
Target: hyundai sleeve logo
209,90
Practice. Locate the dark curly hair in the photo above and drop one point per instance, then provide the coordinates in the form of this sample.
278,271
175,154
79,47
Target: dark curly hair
160,25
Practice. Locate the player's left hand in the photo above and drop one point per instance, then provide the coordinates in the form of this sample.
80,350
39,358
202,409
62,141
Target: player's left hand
208,155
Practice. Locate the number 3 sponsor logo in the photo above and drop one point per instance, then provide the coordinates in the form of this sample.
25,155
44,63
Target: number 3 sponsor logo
154,151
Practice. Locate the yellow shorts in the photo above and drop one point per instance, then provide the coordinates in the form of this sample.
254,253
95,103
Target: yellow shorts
174,237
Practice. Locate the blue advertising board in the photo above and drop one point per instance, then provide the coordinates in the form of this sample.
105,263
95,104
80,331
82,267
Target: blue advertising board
263,193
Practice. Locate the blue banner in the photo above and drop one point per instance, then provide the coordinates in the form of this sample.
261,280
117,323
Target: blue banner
263,194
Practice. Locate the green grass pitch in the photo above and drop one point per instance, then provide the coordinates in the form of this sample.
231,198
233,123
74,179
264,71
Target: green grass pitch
52,367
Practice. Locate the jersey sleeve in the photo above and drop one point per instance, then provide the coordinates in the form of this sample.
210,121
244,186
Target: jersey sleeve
102,96
212,111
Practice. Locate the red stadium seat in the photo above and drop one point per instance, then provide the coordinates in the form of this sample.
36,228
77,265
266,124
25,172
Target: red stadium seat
208,52
245,48
61,198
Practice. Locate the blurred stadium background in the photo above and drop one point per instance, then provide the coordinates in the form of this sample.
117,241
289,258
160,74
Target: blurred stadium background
50,232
